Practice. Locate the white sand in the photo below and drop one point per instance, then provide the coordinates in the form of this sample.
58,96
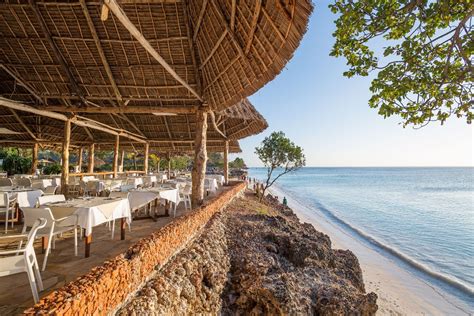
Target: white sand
399,291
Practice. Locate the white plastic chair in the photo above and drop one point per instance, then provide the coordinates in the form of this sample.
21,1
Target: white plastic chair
6,182
24,259
24,182
7,204
50,199
185,197
51,190
53,227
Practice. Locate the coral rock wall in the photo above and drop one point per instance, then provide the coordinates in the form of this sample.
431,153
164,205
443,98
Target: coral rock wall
105,288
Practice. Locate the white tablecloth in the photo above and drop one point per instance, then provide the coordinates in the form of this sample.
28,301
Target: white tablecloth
93,212
220,178
210,185
149,180
135,181
25,198
41,183
139,198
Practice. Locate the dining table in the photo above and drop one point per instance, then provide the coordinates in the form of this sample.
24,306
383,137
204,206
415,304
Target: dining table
25,197
145,196
94,211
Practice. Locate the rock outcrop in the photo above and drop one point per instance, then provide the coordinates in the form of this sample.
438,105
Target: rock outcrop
257,258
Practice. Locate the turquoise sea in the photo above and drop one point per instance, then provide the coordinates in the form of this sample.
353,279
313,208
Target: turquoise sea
424,217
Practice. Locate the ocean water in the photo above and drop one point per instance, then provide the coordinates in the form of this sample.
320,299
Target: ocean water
422,216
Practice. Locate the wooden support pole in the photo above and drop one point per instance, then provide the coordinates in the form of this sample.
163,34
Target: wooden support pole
79,162
65,157
226,162
121,160
116,153
145,158
200,158
168,157
91,159
34,160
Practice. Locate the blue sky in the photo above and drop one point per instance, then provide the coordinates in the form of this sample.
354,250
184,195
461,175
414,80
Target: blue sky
328,115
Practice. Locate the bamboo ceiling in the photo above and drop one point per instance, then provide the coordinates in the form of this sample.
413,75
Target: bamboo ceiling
139,57
222,50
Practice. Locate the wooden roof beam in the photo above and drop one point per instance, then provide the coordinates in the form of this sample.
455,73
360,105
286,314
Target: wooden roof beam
93,30
119,13
228,29
253,26
81,121
56,51
22,83
169,131
199,21
128,109
27,129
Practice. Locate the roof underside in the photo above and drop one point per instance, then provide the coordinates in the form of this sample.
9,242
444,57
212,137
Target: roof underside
222,51
62,54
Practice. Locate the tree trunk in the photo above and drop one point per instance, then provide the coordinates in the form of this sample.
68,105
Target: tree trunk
65,158
200,158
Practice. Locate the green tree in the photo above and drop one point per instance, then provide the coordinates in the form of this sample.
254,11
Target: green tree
238,163
424,72
15,160
278,153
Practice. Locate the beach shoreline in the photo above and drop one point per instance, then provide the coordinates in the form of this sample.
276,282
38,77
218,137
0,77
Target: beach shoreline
400,292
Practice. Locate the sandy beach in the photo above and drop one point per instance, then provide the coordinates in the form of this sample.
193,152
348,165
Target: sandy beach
399,291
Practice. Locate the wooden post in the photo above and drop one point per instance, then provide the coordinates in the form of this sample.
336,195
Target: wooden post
168,157
226,162
121,160
91,158
79,163
200,157
34,160
116,155
65,157
145,158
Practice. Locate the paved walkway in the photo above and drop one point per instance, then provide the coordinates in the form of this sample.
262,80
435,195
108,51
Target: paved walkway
63,266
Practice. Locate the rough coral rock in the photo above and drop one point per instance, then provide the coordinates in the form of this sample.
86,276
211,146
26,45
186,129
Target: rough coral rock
257,258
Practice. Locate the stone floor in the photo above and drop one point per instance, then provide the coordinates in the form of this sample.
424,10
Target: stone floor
63,266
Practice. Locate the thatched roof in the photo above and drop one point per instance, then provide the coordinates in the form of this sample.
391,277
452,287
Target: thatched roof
223,51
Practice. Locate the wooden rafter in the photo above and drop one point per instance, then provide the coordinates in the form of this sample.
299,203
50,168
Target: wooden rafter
103,58
191,43
81,121
199,20
118,12
56,51
169,131
232,15
127,109
22,82
229,31
27,129
253,26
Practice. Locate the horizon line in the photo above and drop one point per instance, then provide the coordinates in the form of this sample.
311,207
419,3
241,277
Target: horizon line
420,166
